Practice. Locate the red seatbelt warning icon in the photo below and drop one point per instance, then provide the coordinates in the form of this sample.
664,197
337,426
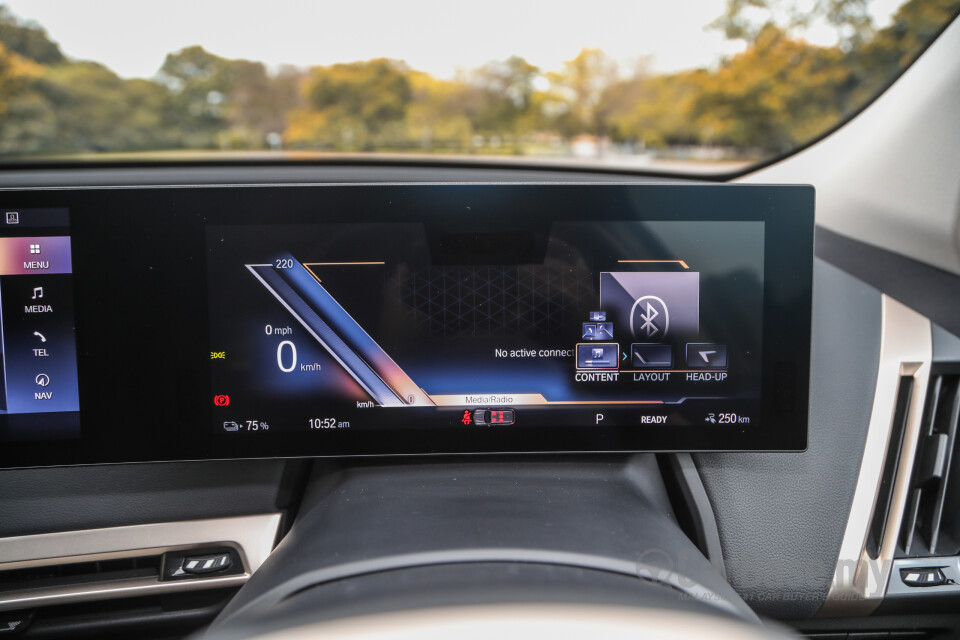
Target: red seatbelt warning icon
466,419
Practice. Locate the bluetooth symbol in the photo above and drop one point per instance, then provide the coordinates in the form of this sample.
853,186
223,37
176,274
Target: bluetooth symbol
648,317
655,316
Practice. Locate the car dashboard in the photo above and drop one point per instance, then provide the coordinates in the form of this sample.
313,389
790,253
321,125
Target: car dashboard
279,417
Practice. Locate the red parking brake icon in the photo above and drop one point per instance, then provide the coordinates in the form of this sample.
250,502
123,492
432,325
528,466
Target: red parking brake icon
221,400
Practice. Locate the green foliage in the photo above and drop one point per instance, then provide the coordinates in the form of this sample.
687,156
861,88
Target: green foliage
352,106
223,103
499,94
893,48
29,41
778,92
747,19
581,85
654,111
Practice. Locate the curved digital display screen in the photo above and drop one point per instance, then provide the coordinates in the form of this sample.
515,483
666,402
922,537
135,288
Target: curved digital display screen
176,323
380,326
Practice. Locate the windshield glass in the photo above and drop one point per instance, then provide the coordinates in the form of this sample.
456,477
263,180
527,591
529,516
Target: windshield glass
693,86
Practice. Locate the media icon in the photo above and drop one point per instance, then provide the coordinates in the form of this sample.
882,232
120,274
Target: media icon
705,355
597,331
37,293
598,356
651,355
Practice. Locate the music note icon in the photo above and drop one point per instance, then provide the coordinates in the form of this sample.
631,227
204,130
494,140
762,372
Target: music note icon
37,293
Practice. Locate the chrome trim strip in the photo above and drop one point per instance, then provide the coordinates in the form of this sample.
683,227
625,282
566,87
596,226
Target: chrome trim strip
110,590
252,536
859,581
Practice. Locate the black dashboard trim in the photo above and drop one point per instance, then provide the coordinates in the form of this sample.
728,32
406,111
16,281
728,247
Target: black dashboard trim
924,288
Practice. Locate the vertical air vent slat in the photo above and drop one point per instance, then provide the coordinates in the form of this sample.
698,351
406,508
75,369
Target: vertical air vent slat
927,530
885,493
909,525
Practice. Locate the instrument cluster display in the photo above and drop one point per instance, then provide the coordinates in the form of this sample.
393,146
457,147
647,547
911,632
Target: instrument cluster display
370,327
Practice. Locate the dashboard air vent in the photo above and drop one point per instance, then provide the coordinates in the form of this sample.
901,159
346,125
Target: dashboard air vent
928,529
60,575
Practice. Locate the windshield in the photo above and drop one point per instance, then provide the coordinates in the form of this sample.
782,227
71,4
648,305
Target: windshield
693,86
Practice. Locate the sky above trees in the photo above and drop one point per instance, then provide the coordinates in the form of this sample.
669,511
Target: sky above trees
775,91
435,36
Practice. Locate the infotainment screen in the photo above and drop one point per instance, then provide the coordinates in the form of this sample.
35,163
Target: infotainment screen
186,323
39,399
367,327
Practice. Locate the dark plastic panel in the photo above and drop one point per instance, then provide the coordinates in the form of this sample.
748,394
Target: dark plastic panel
458,585
946,346
608,515
782,516
72,498
81,177
926,289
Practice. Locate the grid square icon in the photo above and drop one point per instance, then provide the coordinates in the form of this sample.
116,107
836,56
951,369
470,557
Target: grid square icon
34,248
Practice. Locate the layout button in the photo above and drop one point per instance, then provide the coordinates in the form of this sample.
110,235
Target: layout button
651,356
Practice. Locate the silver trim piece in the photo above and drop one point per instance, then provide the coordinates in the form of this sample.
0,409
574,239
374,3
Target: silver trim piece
859,581
252,536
